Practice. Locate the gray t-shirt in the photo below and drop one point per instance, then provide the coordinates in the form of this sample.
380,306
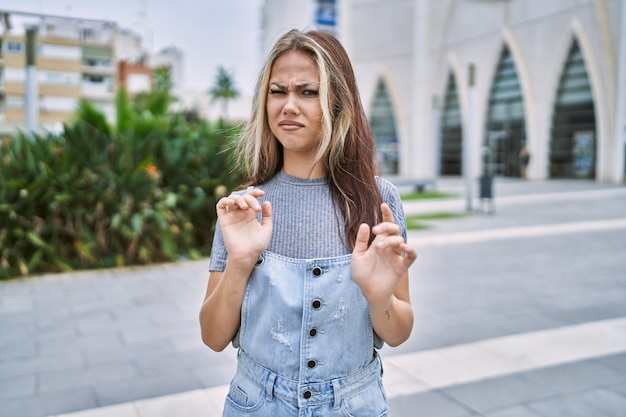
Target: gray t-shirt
305,222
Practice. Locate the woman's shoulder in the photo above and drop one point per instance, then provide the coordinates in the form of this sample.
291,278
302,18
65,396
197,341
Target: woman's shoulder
386,187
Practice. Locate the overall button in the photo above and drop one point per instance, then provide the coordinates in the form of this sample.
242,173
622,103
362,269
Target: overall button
259,261
311,364
313,332
317,304
307,394
317,271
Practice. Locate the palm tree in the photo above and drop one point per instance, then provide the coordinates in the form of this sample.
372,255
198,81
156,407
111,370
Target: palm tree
224,89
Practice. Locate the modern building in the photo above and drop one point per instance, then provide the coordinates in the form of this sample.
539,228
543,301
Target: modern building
460,87
76,59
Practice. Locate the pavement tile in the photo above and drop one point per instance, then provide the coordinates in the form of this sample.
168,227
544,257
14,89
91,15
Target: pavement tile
66,359
48,404
105,354
159,363
192,403
428,404
132,389
515,411
576,376
619,388
599,402
17,386
614,361
118,410
495,393
215,375
88,376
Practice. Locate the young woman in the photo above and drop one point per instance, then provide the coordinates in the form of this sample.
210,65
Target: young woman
309,267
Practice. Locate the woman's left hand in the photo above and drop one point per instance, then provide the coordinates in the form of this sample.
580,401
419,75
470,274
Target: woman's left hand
378,269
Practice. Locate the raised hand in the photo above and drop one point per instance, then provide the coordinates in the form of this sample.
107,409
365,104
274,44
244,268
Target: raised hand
379,268
244,236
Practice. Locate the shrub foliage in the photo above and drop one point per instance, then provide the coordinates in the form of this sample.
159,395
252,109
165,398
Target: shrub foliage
95,196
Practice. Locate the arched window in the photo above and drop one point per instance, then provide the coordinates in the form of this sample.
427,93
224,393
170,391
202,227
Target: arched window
451,156
383,124
505,131
573,144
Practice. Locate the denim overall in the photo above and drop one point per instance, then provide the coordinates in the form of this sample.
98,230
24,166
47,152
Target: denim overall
306,343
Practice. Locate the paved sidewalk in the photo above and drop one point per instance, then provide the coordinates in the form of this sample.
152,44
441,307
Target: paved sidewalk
519,313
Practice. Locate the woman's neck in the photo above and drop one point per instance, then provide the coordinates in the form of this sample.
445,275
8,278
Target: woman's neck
297,167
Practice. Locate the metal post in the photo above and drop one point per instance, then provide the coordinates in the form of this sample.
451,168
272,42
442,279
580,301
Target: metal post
468,140
619,173
30,92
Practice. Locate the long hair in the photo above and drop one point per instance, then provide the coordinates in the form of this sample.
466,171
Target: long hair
346,146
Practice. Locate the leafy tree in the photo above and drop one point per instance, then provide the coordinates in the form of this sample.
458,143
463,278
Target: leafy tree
224,89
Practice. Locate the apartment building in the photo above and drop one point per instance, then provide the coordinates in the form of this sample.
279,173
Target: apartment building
75,59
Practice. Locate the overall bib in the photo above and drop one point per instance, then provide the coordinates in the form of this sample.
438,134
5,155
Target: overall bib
306,343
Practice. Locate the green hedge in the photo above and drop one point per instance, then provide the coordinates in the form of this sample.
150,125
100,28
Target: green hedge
99,196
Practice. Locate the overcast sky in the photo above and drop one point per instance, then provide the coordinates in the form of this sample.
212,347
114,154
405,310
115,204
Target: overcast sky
210,33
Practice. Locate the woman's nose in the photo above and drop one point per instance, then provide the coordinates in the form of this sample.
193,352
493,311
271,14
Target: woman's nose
291,104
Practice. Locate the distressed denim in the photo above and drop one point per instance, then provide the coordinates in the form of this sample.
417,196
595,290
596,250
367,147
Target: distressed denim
306,343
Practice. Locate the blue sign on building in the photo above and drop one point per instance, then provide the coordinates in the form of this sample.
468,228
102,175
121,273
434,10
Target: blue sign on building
326,12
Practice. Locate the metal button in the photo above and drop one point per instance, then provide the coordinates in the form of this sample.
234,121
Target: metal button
317,304
307,394
259,261
311,364
313,332
317,271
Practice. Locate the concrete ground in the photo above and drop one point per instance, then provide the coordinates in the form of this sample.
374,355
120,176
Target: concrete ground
518,313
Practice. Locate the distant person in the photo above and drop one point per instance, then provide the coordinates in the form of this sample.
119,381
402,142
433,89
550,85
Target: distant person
524,159
309,266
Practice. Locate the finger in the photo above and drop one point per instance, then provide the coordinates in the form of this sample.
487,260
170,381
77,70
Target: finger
410,255
362,239
251,202
266,214
393,242
386,228
223,204
387,213
256,192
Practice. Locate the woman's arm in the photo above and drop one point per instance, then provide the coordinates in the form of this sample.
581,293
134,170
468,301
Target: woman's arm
381,271
245,239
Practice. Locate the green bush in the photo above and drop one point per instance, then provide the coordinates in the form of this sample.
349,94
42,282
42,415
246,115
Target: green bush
100,196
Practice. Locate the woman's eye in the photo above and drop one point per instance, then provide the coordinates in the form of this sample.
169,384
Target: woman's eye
310,93
277,92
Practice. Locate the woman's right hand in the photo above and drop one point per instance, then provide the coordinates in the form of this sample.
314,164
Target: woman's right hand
244,236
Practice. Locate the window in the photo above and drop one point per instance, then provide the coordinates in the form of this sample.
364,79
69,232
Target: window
14,102
57,103
383,124
505,132
59,77
60,51
14,47
451,132
573,145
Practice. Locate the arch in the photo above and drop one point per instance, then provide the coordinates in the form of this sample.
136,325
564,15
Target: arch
505,128
598,92
451,130
573,139
384,127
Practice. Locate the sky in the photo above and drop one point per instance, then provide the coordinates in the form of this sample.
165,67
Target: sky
211,33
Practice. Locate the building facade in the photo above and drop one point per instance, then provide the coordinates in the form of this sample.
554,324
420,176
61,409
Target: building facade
460,87
76,59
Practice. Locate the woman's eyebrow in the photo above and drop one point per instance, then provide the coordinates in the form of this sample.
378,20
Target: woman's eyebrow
301,85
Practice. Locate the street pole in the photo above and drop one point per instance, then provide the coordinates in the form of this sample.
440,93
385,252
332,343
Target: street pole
619,160
468,140
30,92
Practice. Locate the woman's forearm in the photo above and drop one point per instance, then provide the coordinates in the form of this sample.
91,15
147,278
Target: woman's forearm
220,314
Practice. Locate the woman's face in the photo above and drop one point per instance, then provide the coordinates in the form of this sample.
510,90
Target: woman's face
293,106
